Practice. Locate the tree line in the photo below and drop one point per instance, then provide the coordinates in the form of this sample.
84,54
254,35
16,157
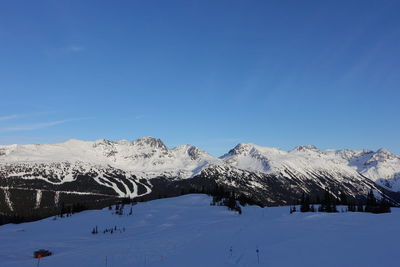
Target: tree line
330,202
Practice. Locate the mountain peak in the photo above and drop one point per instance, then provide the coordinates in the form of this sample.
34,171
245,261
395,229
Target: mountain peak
384,151
103,141
150,141
305,148
242,148
192,151
382,154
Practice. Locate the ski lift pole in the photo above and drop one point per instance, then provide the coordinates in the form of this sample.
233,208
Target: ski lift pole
258,255
38,262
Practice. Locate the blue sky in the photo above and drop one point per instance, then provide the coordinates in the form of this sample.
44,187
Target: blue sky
208,73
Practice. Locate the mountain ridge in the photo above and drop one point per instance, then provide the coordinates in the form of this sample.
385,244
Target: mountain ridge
42,178
150,157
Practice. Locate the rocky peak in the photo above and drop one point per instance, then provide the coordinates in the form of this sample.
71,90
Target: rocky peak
382,155
241,149
354,154
306,148
194,152
384,151
103,142
150,142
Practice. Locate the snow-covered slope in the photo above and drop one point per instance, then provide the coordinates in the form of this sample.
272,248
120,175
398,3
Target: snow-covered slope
187,231
300,161
307,161
145,157
381,166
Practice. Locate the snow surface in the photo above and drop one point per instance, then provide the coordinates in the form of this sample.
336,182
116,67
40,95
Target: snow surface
187,231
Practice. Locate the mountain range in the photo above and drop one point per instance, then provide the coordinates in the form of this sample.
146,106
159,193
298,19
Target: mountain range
35,180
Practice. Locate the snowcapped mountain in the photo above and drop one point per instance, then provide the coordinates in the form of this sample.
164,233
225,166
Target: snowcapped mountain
145,157
304,162
43,176
149,157
381,166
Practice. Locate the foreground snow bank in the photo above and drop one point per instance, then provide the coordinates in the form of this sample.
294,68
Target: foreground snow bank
187,231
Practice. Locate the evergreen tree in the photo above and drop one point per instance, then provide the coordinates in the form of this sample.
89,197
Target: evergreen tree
312,209
328,203
333,207
360,207
376,206
305,203
384,206
371,202
318,200
343,199
351,207
292,209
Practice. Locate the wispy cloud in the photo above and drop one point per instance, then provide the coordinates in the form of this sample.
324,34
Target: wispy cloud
35,126
74,48
22,115
9,117
138,117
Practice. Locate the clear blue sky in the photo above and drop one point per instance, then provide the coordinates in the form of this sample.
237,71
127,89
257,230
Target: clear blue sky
209,73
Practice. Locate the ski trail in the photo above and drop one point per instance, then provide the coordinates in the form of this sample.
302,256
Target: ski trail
38,198
134,193
56,197
7,199
111,185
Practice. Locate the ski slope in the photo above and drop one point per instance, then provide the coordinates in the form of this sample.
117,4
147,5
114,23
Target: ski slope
187,231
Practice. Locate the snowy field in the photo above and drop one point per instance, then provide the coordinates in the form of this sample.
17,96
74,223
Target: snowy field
186,231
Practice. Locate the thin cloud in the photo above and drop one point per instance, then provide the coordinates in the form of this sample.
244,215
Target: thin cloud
36,126
9,117
138,117
74,48
23,115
